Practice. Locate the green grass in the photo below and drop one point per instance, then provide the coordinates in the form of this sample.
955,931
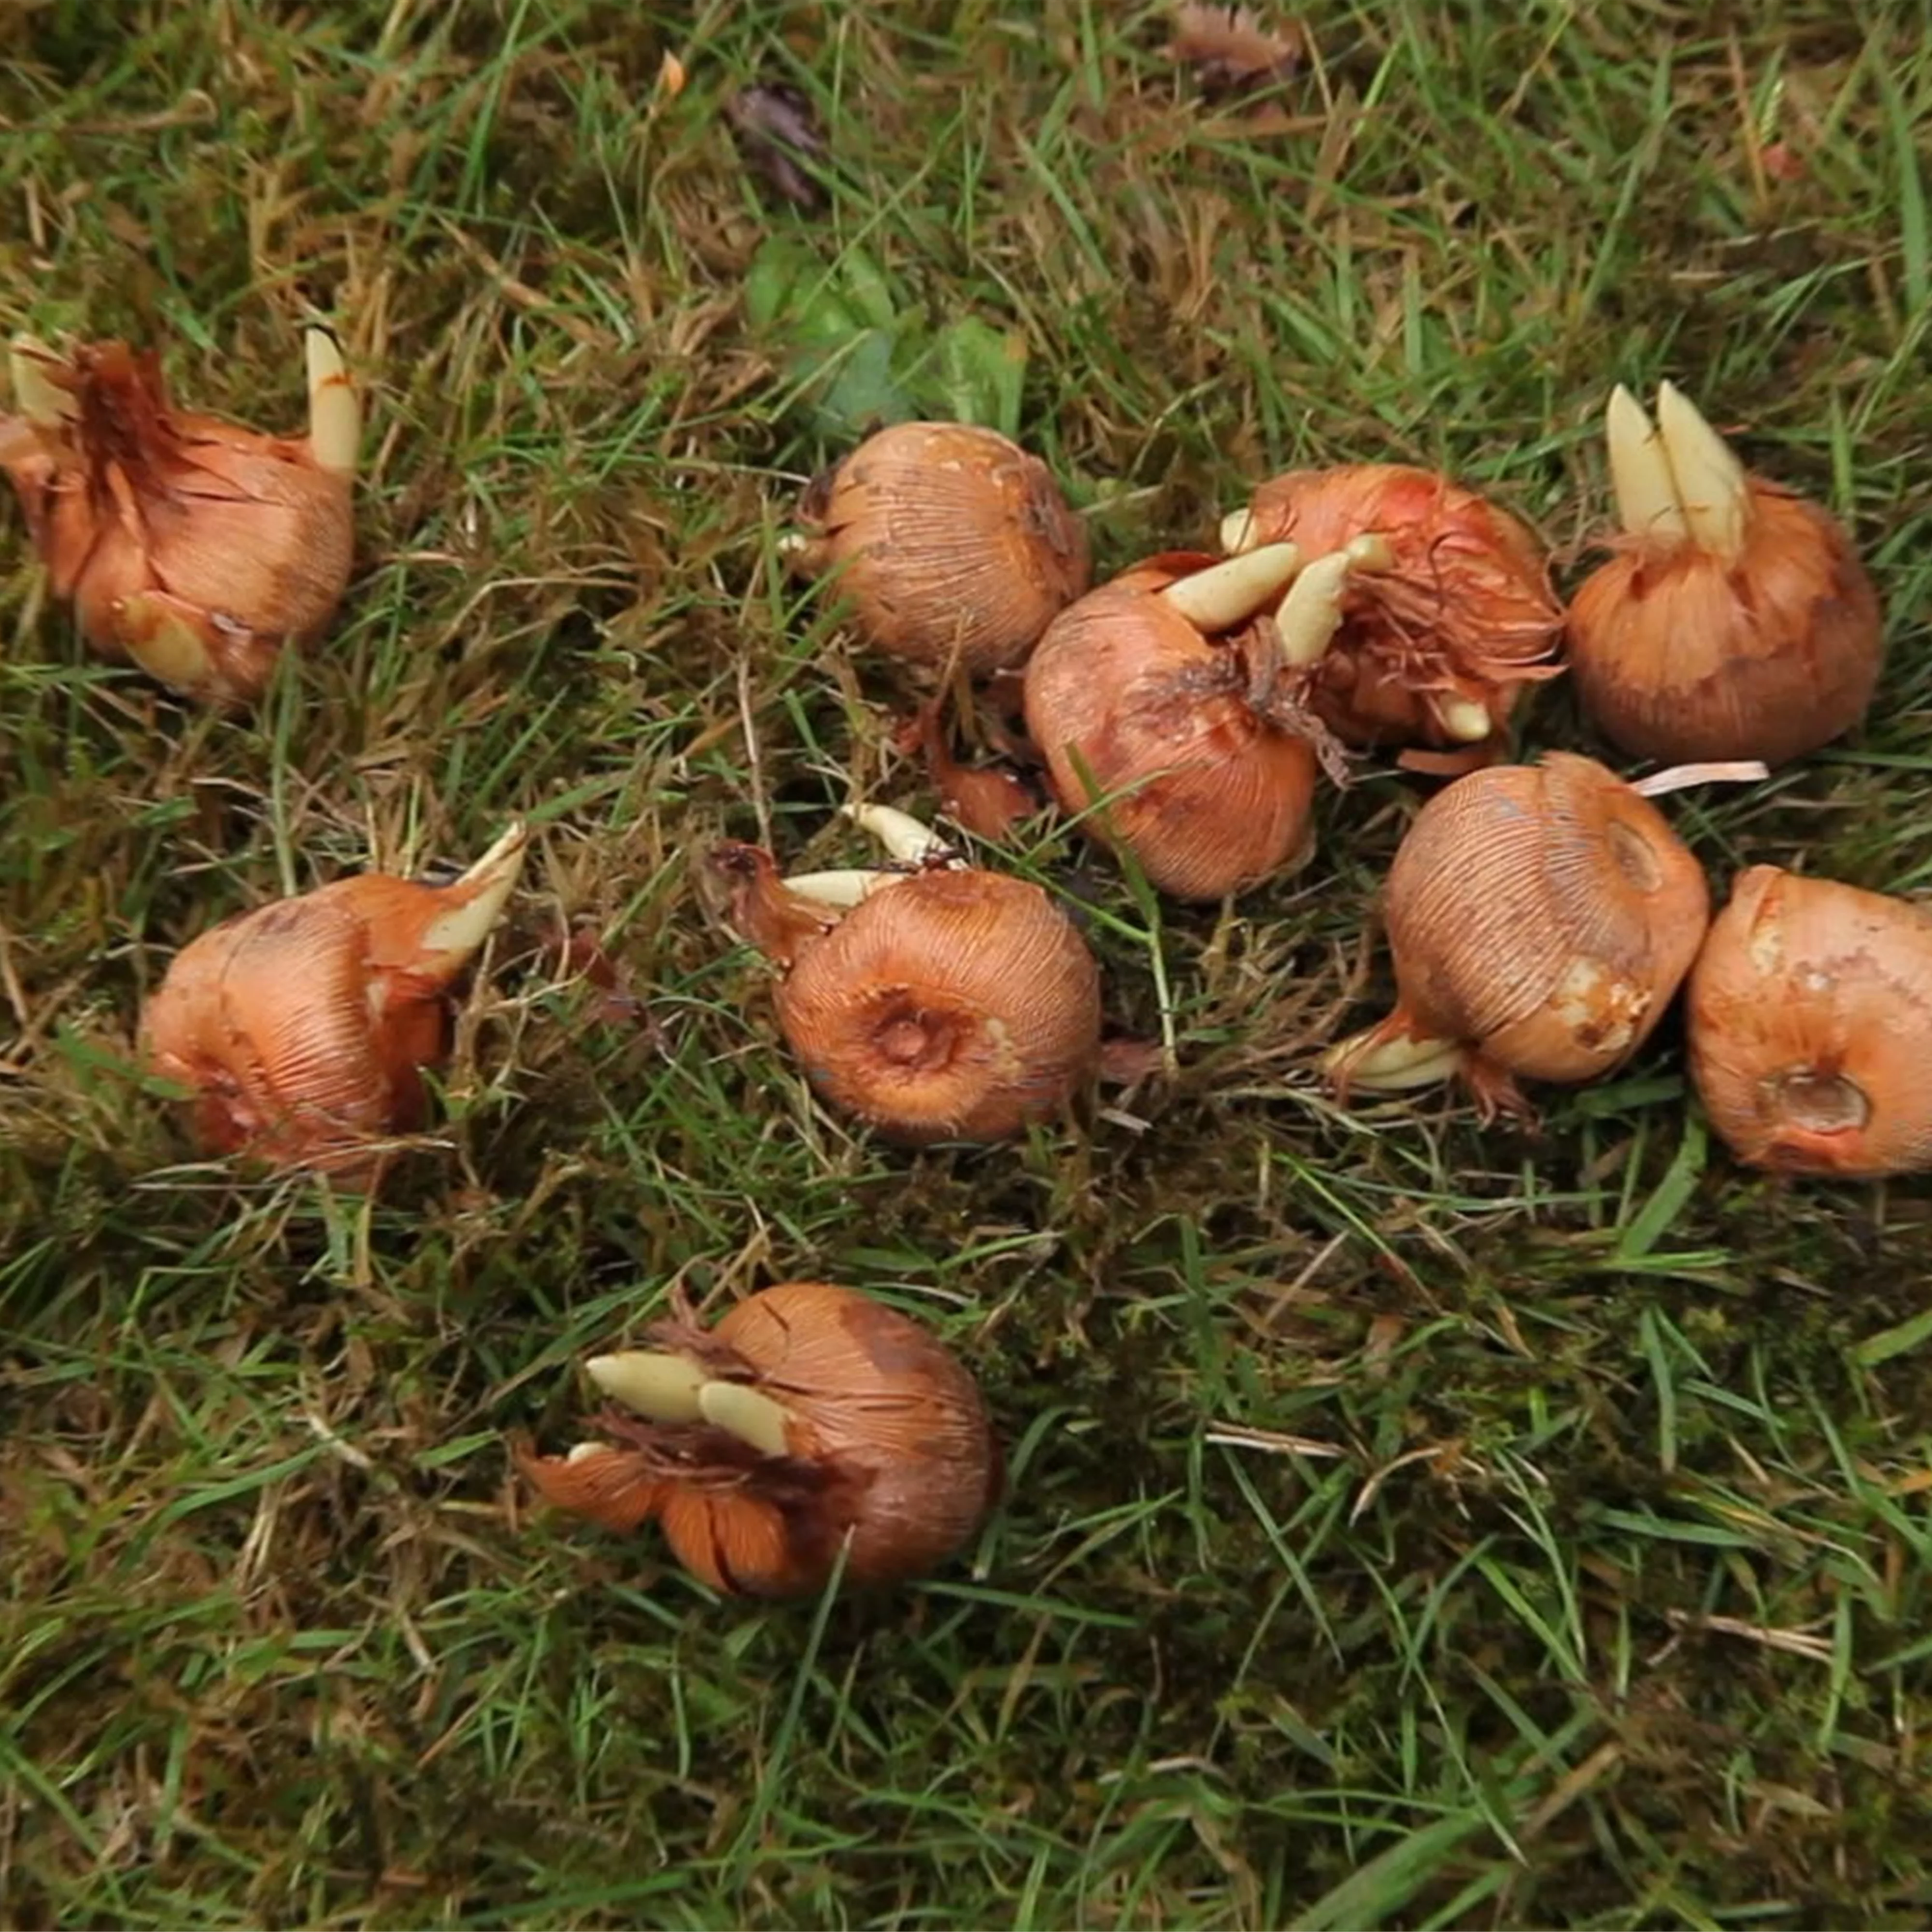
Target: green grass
1409,1525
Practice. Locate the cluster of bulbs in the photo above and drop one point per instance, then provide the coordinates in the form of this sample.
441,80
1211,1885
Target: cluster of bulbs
1541,918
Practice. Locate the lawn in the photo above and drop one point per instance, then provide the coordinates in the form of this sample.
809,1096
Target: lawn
1409,1523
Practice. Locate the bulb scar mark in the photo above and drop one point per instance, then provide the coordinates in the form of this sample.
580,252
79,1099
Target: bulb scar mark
1601,1008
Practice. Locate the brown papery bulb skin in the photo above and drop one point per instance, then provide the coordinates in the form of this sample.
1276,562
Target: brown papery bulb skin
267,1017
958,1005
1810,1013
197,546
303,1028
947,543
1466,615
986,800
887,1441
1129,702
1681,656
1544,916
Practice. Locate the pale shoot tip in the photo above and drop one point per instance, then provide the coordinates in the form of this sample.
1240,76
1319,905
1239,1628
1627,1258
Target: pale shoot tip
167,642
753,1417
660,1387
1311,613
1722,771
1239,531
908,840
1464,720
1386,1064
1641,478
476,901
1712,484
1226,594
844,888
335,413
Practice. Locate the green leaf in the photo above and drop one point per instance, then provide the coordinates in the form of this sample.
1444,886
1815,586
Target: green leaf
862,284
863,392
1895,1341
781,267
1391,1878
983,374
1654,1221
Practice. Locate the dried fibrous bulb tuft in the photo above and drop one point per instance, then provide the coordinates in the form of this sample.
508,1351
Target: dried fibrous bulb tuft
1232,50
302,1029
197,548
1168,705
944,1004
1541,918
946,543
1436,648
1810,1013
1735,620
812,1423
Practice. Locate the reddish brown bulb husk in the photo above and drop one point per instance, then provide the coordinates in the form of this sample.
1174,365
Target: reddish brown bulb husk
197,548
812,1423
946,544
1438,648
987,800
952,1004
1810,1012
303,1029
1177,736
1541,918
1735,620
